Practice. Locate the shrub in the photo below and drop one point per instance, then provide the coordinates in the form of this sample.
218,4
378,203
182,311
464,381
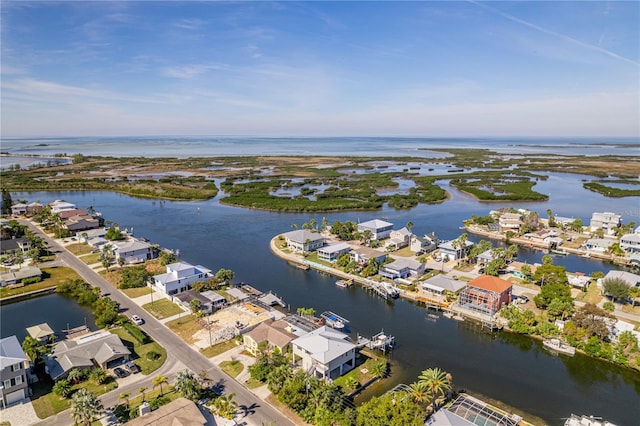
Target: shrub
158,401
152,355
138,334
31,280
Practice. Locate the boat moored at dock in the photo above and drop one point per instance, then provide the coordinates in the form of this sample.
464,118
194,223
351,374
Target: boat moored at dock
334,320
558,345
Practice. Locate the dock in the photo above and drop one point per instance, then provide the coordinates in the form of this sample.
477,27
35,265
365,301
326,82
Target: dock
334,320
380,341
302,266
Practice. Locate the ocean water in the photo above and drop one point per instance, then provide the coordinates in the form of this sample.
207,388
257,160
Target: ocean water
198,146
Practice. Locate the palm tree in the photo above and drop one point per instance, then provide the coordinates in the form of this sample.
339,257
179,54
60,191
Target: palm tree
226,406
187,385
85,407
142,391
379,368
435,380
125,397
159,381
418,392
62,388
409,226
98,376
75,376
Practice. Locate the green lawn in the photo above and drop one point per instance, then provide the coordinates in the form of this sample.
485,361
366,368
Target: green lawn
162,308
135,400
219,348
90,259
591,296
139,352
253,383
79,248
46,403
232,368
185,327
51,278
136,292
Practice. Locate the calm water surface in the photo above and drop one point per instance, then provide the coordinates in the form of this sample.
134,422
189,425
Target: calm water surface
502,366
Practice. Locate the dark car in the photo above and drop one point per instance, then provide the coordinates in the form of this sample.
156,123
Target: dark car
120,373
132,367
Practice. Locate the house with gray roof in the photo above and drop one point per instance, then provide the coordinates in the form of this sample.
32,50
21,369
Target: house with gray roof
628,277
132,251
608,221
13,371
302,240
449,252
325,353
179,277
402,268
379,228
440,284
426,243
362,255
333,252
14,246
630,243
41,332
100,349
15,276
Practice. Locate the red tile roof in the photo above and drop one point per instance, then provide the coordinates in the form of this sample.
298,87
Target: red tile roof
487,282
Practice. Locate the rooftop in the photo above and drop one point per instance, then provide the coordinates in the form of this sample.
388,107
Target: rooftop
324,344
11,352
375,223
490,283
40,331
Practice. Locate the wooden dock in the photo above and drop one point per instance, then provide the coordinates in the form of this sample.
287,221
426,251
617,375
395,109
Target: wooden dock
380,341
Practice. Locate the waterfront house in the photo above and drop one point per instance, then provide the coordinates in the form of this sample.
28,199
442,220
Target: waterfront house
18,209
399,238
14,246
516,270
486,257
485,294
630,243
325,353
402,268
304,241
546,237
469,411
132,251
237,294
100,349
628,277
598,245
273,334
379,228
426,244
216,300
578,280
333,252
66,214
88,235
15,276
58,206
13,371
449,252
34,208
562,221
441,284
41,332
179,277
79,223
510,222
362,255
608,221
185,298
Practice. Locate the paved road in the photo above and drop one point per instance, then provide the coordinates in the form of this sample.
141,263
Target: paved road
176,348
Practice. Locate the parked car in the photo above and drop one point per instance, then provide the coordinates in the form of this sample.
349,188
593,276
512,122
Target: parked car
481,271
120,372
132,367
137,320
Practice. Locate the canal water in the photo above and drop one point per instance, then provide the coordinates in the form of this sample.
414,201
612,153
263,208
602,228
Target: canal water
502,366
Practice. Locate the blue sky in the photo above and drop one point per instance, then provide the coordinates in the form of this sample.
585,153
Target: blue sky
320,68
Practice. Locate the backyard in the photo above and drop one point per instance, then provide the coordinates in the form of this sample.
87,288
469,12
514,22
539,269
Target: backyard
51,277
142,355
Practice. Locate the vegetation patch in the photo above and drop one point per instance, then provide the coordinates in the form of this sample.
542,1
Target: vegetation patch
610,191
218,349
162,308
185,327
136,292
51,277
46,403
232,368
139,351
90,259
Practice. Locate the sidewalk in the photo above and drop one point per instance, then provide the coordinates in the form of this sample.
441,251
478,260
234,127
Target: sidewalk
20,413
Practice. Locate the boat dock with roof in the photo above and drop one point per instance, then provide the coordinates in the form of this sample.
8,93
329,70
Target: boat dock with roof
380,341
334,320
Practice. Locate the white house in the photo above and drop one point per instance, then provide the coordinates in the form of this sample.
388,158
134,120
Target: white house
510,222
628,277
18,209
449,252
362,255
325,353
427,243
607,221
598,245
630,243
333,252
13,371
304,241
58,206
402,268
379,228
399,238
439,284
132,251
179,277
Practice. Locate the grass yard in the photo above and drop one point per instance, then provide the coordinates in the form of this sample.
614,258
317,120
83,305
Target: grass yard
51,277
79,248
113,276
162,308
46,403
591,296
405,252
90,259
218,349
136,292
139,352
185,327
232,368
253,383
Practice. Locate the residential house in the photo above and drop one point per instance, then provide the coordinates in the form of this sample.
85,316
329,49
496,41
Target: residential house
598,245
486,257
41,332
100,349
79,223
325,353
441,284
210,301
379,228
427,243
630,243
608,221
449,252
13,371
304,241
399,238
333,252
66,214
14,246
237,294
485,294
516,270
402,268
90,234
510,222
18,209
15,276
58,206
628,277
132,251
562,221
34,208
469,411
362,255
180,412
216,300
273,334
578,280
546,237
179,277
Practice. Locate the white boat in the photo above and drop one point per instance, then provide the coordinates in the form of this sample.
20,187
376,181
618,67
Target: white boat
559,346
343,283
391,291
334,320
